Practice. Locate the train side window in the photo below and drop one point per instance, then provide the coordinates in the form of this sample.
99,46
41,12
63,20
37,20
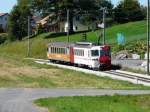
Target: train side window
59,50
63,50
79,52
83,53
66,51
55,50
51,49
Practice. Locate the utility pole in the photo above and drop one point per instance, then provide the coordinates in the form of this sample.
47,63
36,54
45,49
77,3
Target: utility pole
28,54
68,28
148,36
104,35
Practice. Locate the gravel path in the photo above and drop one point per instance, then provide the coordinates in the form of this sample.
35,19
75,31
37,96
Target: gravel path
135,64
20,100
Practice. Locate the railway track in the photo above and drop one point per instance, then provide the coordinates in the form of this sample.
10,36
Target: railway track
129,75
114,74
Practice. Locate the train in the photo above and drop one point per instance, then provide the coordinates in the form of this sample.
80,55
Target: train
80,54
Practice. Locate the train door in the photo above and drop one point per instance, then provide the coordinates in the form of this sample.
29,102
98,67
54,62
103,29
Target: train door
71,55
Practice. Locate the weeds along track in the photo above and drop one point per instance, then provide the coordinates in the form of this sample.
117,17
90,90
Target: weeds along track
114,74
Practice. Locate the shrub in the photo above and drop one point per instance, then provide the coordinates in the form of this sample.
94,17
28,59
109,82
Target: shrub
118,48
1,30
3,38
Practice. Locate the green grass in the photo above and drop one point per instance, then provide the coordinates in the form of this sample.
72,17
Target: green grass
132,31
116,103
25,73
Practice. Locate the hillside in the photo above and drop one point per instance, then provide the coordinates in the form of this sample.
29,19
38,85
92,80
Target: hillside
15,71
133,31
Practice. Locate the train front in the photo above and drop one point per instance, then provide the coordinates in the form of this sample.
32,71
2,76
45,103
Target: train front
105,56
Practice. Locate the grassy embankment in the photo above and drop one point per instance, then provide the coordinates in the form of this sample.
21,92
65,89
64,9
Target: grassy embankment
17,72
116,103
14,73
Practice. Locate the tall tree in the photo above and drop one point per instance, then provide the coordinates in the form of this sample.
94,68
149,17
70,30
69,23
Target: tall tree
60,7
128,10
18,20
107,4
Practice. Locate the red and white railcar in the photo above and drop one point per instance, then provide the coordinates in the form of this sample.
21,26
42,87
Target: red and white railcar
80,53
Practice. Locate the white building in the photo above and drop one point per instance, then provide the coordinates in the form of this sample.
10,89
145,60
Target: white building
3,20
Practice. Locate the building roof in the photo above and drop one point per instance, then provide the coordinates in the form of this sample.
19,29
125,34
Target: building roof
3,14
36,18
45,19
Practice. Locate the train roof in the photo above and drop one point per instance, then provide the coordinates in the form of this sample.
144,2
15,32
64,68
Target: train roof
61,44
77,44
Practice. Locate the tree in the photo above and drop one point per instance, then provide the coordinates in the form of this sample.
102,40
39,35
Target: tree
144,10
60,7
18,21
107,4
128,10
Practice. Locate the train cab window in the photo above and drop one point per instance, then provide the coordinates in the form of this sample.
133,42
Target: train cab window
95,52
105,53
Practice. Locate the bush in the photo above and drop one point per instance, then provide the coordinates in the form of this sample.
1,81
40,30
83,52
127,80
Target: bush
138,47
40,29
118,48
3,38
1,30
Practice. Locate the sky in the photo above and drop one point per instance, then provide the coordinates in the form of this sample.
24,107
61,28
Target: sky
143,2
7,5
